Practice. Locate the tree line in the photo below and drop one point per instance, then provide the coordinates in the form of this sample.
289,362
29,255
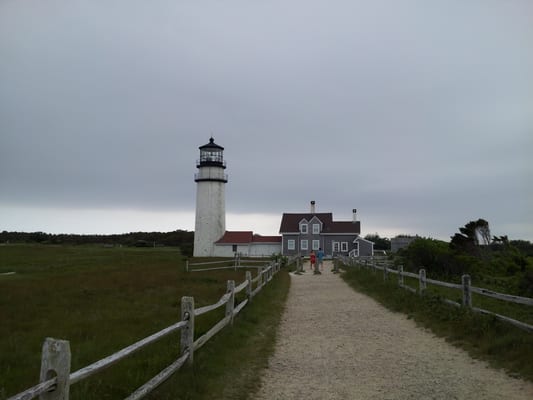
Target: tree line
178,238
494,261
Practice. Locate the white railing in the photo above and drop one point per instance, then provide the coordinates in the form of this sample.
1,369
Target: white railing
56,378
384,265
230,263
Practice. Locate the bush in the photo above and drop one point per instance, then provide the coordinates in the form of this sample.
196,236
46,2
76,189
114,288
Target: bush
435,256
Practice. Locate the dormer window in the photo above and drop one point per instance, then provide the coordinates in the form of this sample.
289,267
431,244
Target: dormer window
303,228
316,229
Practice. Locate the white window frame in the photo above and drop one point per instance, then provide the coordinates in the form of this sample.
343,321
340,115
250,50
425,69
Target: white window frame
316,229
316,244
304,244
336,247
304,229
291,244
344,246
356,248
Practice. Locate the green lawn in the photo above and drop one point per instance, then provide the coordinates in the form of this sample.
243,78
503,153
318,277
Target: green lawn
104,299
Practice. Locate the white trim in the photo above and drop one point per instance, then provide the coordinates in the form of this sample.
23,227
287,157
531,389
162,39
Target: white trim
316,231
335,246
306,230
302,242
291,242
316,244
344,246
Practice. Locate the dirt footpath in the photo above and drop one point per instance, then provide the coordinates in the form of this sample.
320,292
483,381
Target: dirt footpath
335,343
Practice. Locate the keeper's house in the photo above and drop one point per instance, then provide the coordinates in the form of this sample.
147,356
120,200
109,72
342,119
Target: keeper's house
302,233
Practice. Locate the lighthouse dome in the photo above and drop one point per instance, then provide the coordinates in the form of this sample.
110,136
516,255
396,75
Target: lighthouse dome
211,154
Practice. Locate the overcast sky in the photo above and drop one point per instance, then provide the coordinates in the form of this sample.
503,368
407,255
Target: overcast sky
417,113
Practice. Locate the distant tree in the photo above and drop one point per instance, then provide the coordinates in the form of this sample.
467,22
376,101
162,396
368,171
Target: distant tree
433,255
525,246
472,235
379,242
503,240
483,232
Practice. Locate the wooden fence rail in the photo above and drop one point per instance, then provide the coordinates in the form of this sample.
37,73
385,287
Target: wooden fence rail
56,377
230,263
384,265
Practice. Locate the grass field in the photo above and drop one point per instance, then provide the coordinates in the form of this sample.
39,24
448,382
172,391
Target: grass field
484,337
104,299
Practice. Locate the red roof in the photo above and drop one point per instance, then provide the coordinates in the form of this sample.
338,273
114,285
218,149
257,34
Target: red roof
290,223
266,239
245,237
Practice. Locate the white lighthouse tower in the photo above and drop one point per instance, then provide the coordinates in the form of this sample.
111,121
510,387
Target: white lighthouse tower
210,181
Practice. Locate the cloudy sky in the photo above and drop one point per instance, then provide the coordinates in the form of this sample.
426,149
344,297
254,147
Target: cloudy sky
417,113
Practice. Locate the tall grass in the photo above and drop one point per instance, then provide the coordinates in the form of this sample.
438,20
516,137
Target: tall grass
101,300
484,337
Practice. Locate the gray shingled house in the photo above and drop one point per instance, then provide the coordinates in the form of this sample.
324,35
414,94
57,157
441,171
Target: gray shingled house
302,233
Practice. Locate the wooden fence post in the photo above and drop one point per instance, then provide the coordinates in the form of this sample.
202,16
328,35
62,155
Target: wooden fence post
422,283
187,265
187,333
385,272
249,286
467,294
230,305
400,275
55,362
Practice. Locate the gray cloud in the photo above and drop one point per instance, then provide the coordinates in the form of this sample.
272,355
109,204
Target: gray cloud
420,115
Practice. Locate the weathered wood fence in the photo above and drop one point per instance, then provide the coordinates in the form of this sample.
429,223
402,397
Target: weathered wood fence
234,263
466,287
56,378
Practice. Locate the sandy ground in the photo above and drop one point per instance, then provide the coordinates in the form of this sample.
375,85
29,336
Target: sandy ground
335,343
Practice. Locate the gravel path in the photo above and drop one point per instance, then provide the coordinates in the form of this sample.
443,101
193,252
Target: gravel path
335,343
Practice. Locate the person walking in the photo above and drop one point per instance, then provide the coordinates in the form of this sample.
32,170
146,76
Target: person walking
320,256
312,259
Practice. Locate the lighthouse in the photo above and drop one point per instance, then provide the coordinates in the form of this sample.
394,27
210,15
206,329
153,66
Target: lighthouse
210,223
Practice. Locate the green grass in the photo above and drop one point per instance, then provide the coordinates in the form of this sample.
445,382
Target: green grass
484,337
104,299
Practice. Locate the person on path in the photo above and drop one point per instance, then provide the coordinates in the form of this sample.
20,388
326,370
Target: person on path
320,256
312,259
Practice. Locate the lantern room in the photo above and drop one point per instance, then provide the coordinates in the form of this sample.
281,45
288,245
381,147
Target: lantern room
211,155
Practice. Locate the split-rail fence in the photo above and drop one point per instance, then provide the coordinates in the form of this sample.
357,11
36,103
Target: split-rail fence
466,287
56,378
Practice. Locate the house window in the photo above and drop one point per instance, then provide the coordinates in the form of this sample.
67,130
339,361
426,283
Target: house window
344,246
234,248
336,247
303,228
316,229
316,244
303,245
291,244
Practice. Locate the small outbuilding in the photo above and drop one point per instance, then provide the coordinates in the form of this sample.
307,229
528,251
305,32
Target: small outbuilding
246,243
